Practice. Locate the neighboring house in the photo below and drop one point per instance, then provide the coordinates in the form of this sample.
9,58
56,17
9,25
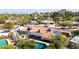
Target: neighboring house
75,39
75,23
22,30
11,21
4,34
2,22
74,19
74,42
61,19
4,30
33,22
65,32
47,22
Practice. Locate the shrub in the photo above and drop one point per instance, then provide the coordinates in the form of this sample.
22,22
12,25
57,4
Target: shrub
7,47
59,42
75,32
8,25
25,44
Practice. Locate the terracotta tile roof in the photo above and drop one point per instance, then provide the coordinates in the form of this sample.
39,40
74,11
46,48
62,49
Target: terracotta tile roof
43,32
36,29
43,29
48,35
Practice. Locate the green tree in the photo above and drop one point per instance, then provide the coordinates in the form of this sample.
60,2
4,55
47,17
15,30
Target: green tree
68,23
77,18
59,42
39,19
56,17
25,19
68,17
46,15
3,17
2,37
26,44
75,32
8,25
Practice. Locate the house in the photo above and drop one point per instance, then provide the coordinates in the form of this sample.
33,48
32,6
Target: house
2,21
64,31
75,23
34,29
45,37
33,22
10,17
41,33
74,42
22,30
40,25
61,20
4,34
35,35
75,39
47,22
68,34
4,30
48,35
11,21
39,29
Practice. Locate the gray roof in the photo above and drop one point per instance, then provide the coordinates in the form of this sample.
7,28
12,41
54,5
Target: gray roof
75,39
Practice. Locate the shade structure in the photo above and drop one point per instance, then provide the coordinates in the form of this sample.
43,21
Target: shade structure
35,34
57,32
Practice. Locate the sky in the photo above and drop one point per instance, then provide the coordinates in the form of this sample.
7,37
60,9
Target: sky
31,10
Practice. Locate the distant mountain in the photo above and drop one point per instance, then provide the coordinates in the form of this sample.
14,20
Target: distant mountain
29,11
63,11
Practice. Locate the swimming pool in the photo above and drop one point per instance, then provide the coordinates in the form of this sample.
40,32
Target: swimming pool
40,45
3,43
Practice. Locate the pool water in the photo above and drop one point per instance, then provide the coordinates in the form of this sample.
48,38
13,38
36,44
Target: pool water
3,43
41,45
